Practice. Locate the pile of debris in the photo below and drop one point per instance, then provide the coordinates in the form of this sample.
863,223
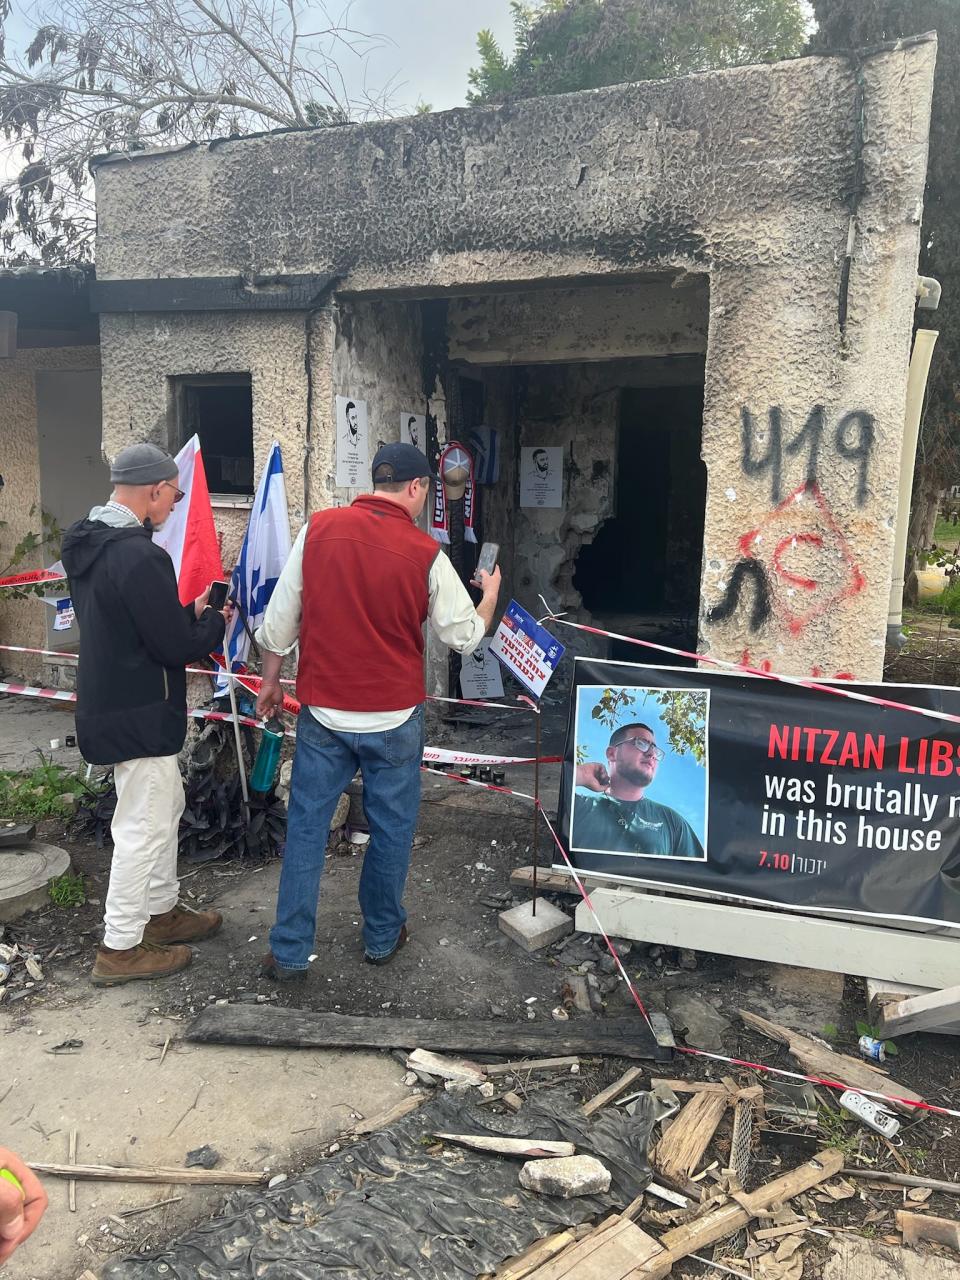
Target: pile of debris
21,964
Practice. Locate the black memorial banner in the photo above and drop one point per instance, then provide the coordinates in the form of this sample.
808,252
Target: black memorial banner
763,790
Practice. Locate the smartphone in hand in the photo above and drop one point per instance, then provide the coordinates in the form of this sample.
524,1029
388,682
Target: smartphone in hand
487,561
218,595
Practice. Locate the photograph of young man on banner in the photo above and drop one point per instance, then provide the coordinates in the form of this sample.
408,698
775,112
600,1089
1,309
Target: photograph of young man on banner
641,773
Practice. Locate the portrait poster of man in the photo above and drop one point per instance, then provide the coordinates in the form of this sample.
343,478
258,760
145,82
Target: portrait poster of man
640,774
353,450
541,476
413,430
480,675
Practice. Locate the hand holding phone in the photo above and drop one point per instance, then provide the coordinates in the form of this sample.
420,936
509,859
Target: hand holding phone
218,595
487,561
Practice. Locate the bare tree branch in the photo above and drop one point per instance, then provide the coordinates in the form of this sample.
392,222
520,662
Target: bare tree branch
107,75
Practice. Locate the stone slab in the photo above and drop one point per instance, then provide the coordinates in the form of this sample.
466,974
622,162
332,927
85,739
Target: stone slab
566,1176
535,931
25,873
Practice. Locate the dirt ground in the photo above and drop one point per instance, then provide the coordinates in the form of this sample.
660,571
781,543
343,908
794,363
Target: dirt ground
457,964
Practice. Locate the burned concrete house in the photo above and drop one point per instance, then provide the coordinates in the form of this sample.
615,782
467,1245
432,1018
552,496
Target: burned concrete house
693,297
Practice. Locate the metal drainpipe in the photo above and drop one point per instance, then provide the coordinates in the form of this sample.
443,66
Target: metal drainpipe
923,343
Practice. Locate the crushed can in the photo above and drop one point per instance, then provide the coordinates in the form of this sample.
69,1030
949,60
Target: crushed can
872,1049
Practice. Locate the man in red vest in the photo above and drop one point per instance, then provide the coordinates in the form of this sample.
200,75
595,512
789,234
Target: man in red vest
358,586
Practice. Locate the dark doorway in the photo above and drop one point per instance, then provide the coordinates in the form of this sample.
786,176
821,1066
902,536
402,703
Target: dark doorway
642,571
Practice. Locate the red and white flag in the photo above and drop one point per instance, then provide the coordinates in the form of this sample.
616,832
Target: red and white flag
188,534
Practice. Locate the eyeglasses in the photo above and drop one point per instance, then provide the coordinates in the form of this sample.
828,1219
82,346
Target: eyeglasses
644,746
179,492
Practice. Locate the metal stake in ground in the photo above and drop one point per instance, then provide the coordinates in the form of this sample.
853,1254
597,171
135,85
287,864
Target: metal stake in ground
536,806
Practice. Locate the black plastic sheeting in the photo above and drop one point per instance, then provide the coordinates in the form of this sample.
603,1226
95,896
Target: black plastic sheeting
385,1207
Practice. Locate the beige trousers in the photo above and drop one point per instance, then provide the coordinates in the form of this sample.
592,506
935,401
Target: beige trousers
143,873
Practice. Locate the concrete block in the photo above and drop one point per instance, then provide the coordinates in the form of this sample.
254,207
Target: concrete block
535,931
566,1177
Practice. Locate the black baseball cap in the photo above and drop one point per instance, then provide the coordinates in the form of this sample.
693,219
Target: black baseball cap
400,462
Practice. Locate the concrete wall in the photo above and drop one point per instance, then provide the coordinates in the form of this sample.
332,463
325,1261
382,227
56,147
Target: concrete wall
748,176
23,496
141,353
608,322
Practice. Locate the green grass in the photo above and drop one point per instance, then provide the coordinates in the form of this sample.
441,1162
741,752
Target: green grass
67,890
38,792
946,533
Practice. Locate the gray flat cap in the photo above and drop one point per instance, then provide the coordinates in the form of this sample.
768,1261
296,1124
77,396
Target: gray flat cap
142,464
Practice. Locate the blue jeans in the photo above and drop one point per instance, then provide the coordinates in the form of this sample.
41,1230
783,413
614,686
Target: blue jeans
323,764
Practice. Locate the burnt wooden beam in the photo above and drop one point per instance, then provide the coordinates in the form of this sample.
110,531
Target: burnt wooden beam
305,1029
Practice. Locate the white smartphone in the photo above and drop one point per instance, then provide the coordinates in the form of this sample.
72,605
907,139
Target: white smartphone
487,561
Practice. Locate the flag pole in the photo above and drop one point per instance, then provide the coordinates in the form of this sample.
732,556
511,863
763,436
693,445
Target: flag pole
236,737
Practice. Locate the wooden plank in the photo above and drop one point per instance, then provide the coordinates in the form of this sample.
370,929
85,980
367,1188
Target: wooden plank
612,1091
305,1029
539,1252
119,1173
527,1148
780,937
556,881
615,1251
917,1227
445,1068
880,993
72,1184
403,1108
691,1086
495,1069
682,1147
903,1180
920,1013
694,1236
822,1061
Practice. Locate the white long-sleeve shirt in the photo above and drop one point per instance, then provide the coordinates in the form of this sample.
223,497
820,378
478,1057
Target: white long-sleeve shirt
450,612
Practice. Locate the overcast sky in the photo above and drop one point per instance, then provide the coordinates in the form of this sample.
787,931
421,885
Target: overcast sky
432,44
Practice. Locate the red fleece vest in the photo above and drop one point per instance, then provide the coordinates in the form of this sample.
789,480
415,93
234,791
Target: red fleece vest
365,599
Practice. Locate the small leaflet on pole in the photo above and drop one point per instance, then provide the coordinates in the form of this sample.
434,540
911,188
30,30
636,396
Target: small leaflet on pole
480,675
526,649
64,618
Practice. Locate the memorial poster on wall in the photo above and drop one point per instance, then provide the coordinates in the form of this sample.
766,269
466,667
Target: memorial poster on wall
353,452
541,477
765,791
413,430
480,673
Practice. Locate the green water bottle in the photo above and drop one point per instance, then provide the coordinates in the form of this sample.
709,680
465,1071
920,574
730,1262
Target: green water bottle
267,763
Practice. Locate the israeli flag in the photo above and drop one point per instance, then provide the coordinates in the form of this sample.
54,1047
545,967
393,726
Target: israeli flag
266,546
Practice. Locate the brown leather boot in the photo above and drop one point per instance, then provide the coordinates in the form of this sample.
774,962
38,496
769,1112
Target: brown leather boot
138,963
182,924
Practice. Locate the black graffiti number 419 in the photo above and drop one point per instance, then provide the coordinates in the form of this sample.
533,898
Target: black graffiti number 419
853,440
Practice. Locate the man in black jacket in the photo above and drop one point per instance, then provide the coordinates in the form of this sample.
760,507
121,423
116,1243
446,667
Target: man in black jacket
136,639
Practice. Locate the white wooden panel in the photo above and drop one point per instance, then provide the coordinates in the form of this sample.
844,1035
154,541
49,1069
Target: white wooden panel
785,938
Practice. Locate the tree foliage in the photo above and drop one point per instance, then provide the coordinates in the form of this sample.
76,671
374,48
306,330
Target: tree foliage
563,45
682,711
852,24
112,75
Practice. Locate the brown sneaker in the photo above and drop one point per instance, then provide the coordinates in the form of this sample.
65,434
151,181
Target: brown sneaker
182,924
141,962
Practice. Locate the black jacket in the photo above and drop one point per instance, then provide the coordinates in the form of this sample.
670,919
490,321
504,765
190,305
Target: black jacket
136,638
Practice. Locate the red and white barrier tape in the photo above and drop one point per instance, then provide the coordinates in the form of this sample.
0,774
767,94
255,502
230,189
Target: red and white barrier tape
433,755
740,668
35,691
289,704
474,782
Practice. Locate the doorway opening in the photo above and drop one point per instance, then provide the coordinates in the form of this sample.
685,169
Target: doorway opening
641,574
